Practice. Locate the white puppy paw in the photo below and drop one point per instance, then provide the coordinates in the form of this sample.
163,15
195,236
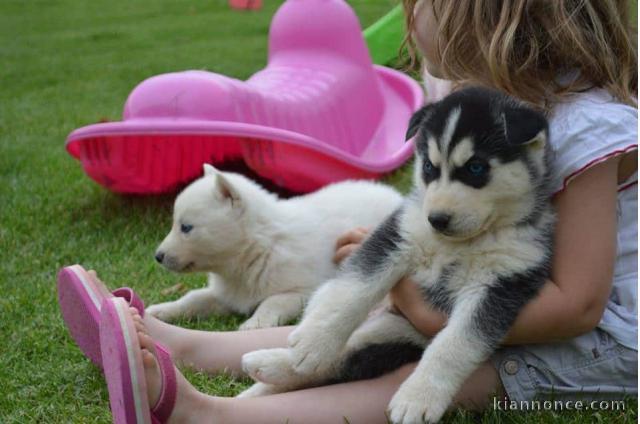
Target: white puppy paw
261,389
255,323
272,366
167,311
313,351
417,402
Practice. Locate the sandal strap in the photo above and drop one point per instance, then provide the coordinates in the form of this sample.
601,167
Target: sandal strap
130,296
163,408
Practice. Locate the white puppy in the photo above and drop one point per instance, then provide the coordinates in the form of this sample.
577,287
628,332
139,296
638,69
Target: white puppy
264,255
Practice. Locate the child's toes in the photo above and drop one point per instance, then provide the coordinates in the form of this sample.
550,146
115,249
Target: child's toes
135,314
137,319
148,360
140,328
146,342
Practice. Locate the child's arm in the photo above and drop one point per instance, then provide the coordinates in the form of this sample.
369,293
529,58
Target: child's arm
582,273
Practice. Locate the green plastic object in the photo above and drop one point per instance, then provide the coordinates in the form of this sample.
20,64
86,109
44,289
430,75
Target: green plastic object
385,36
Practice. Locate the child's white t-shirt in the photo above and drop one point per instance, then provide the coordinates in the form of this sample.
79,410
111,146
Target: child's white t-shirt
585,130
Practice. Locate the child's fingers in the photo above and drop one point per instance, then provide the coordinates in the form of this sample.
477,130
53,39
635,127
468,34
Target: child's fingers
354,236
344,251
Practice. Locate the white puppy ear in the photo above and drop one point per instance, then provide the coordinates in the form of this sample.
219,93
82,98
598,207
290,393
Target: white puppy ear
209,169
226,190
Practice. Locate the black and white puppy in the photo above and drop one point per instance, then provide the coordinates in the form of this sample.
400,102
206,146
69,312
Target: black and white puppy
475,234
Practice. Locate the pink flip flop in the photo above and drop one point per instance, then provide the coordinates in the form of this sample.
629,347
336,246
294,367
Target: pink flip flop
124,370
80,298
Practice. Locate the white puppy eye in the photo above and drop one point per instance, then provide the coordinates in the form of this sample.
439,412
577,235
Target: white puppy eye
185,228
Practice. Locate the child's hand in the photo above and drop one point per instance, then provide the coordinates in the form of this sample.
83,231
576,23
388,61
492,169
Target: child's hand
407,298
348,243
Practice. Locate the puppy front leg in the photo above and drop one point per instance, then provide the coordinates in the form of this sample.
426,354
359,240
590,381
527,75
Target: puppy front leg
275,310
448,361
274,366
196,303
340,305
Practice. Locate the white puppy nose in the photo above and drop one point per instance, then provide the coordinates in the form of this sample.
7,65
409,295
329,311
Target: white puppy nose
159,257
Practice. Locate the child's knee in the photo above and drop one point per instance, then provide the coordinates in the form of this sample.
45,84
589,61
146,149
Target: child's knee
480,389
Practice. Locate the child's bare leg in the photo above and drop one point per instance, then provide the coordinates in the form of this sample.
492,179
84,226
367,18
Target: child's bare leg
360,402
214,351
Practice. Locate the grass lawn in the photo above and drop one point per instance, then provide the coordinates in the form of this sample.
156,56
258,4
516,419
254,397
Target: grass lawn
66,64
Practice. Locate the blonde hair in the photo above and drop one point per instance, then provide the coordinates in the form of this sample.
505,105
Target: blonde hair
522,47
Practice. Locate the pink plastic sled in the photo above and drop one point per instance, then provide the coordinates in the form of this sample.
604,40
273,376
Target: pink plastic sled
320,112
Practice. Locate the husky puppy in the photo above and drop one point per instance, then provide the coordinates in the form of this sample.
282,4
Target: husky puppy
264,255
475,234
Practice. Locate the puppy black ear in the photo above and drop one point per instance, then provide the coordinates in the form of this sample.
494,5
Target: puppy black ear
524,126
416,120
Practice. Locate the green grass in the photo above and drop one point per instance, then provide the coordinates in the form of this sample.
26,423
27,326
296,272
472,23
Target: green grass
66,64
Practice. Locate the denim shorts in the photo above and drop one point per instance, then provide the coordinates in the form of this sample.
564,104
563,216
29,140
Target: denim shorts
589,367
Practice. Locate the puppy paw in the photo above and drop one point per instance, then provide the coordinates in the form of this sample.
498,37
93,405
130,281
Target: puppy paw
313,352
272,366
261,389
255,323
416,402
167,311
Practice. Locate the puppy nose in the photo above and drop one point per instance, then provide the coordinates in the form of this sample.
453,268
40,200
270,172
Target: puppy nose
439,220
159,257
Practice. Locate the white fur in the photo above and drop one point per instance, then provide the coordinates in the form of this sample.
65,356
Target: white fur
261,389
461,153
453,354
264,255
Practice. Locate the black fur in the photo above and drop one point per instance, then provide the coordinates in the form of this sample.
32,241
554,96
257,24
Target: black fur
522,125
429,171
464,175
375,250
438,294
505,299
416,121
498,126
377,359
542,192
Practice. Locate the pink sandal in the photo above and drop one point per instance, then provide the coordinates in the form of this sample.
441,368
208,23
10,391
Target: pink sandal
80,299
124,370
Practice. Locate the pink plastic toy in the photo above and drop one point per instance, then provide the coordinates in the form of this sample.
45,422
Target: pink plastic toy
320,112
246,4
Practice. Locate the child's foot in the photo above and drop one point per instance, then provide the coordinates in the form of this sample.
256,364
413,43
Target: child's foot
157,329
190,405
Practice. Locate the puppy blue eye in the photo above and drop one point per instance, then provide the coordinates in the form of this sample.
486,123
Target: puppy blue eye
186,228
477,168
428,167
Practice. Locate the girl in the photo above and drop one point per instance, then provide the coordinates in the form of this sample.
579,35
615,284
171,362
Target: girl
572,59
